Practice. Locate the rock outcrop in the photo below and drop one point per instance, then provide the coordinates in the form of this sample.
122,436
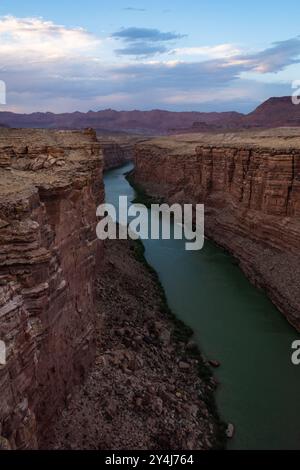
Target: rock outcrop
250,185
50,185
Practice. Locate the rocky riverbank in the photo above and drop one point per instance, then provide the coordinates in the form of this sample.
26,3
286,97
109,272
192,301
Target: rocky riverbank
149,388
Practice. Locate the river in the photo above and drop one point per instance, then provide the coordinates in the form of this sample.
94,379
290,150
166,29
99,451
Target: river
236,324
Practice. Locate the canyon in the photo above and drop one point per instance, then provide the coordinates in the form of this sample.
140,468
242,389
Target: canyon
86,323
78,335
250,185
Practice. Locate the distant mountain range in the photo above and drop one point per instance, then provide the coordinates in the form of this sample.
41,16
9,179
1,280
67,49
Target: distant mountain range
275,112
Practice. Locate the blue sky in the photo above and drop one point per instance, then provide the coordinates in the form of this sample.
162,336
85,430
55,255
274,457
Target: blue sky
179,55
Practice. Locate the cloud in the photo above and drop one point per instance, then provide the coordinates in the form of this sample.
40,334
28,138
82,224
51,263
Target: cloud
176,75
142,49
36,39
68,85
145,34
214,52
134,9
50,67
275,58
280,55
144,41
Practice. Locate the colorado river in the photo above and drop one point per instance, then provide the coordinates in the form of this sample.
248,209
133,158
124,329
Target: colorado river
235,324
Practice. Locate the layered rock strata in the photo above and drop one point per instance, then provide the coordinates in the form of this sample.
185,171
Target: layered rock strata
50,185
115,154
250,185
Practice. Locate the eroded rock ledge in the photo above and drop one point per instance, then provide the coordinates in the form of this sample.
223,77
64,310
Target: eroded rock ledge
250,184
50,185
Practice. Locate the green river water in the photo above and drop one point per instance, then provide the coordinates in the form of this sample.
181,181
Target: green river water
235,324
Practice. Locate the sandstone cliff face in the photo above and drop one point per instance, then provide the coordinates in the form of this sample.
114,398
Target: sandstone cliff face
252,204
50,185
115,154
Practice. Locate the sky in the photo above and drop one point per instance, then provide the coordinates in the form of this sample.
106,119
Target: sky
204,55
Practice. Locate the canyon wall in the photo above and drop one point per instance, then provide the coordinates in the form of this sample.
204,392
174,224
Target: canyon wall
50,185
116,154
251,193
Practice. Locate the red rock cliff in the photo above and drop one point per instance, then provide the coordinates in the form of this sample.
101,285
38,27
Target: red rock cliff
251,189
115,154
50,185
